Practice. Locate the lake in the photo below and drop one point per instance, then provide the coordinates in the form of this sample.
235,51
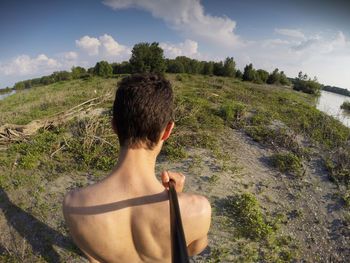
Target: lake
3,96
330,103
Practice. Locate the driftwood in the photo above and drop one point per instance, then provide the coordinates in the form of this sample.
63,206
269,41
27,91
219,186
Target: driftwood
14,133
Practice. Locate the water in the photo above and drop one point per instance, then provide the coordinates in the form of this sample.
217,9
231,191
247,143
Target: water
330,103
3,96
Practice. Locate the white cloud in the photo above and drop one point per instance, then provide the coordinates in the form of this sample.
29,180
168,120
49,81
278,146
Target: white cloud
70,55
89,44
309,43
321,55
188,48
103,48
188,17
110,47
290,32
271,43
25,65
89,51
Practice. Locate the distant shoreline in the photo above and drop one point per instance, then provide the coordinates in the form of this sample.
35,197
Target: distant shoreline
337,90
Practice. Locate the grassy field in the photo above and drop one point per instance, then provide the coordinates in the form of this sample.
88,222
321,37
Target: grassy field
218,122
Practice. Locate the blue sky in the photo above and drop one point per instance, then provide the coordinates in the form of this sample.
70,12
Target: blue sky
38,37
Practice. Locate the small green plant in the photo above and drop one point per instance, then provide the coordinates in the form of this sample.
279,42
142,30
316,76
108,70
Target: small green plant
286,162
179,78
346,198
345,105
251,223
233,113
173,150
30,154
217,255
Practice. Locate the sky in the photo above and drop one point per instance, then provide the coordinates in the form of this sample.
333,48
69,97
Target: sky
38,37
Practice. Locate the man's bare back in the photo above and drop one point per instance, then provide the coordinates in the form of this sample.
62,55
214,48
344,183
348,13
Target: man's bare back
126,216
126,219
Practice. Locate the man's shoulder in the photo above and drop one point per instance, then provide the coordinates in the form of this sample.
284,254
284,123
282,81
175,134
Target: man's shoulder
196,216
74,198
195,205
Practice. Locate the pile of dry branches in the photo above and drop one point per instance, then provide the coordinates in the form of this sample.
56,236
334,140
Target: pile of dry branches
12,132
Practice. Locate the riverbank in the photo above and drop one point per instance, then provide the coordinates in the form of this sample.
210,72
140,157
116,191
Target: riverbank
251,149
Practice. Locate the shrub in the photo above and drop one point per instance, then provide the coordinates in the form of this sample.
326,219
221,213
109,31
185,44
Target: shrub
251,223
305,84
286,162
232,113
345,105
179,78
103,69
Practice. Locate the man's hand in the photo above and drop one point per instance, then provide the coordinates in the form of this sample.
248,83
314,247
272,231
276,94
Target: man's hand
178,178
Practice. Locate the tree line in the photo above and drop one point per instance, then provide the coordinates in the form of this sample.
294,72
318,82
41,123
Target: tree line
337,90
149,57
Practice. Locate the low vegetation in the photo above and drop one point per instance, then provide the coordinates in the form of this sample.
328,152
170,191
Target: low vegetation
306,84
252,225
345,105
286,162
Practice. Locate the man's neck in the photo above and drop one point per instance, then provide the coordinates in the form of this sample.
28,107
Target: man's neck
137,165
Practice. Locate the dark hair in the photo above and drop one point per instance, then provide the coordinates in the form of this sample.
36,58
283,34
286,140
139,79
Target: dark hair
142,109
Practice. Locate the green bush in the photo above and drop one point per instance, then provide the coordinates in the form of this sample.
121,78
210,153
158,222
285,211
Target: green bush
305,84
29,154
345,105
173,150
286,162
179,78
251,223
232,113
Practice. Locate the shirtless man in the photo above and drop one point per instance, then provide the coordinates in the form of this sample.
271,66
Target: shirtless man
125,217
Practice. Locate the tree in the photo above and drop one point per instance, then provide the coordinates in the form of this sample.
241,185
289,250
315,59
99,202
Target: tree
283,79
229,67
175,66
274,77
239,74
61,75
249,73
19,86
262,75
208,68
305,84
103,69
46,80
147,58
77,72
218,69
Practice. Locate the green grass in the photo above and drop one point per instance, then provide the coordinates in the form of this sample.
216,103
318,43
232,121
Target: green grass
37,103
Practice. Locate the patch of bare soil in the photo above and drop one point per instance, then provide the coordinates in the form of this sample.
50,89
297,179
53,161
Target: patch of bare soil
314,217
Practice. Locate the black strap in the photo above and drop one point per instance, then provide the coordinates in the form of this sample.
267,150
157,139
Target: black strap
178,243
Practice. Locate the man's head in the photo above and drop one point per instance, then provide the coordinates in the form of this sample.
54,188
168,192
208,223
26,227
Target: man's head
142,109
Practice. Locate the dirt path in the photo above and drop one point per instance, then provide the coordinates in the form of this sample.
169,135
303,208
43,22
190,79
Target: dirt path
313,217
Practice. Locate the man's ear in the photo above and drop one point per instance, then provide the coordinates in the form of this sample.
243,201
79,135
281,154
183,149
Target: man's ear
114,127
167,131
